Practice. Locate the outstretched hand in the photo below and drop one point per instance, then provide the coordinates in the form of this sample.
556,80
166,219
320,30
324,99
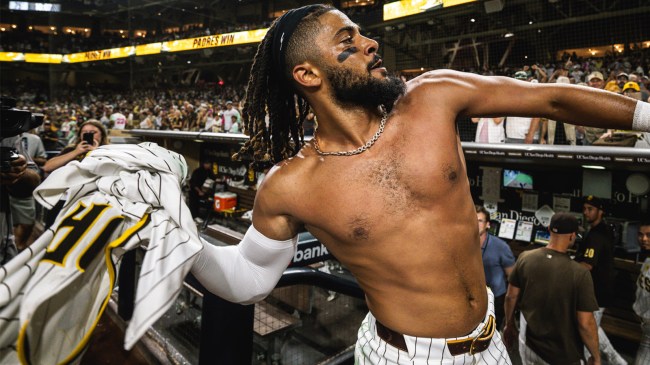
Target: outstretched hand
84,147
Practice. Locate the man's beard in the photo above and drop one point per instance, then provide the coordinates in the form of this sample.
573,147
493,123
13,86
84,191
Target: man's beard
364,89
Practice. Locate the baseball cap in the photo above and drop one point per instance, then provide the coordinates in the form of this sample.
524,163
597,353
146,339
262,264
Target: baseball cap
595,75
521,75
623,74
613,87
594,201
563,223
631,85
563,80
228,102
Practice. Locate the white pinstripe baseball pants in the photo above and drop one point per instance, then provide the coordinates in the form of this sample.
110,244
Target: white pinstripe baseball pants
643,354
372,350
528,356
604,345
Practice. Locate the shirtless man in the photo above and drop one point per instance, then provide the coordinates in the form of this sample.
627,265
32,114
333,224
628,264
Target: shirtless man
397,212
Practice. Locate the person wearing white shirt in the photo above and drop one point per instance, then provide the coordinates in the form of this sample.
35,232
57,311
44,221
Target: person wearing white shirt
489,130
522,130
118,121
211,123
234,125
228,114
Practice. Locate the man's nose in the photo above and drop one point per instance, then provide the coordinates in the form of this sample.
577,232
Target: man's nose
371,46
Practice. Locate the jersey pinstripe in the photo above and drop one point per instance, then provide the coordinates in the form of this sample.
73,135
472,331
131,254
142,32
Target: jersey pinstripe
71,287
642,303
371,349
642,309
118,198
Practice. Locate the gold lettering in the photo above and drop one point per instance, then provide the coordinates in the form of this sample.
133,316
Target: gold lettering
78,228
92,55
227,39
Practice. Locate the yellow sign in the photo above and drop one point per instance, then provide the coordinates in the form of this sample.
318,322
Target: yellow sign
218,40
228,39
43,58
150,48
404,8
12,56
100,55
448,3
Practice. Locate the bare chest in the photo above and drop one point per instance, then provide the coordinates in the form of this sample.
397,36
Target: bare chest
363,198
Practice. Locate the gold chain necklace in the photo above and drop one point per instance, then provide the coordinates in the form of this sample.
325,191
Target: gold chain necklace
363,148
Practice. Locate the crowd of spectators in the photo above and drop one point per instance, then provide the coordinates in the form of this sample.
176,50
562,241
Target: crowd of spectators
627,75
189,109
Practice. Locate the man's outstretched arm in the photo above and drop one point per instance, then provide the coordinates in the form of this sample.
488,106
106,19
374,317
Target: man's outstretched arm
486,96
247,273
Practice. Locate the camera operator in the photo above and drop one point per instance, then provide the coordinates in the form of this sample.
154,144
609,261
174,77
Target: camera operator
19,175
91,135
23,209
19,180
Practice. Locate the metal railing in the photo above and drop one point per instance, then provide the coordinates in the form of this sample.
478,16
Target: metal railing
227,328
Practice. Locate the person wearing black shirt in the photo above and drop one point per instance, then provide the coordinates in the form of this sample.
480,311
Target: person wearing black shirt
596,253
49,137
197,189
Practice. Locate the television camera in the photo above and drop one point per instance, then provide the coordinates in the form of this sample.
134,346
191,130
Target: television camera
12,123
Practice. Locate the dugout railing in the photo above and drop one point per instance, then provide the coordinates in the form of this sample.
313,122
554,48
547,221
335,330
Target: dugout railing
227,329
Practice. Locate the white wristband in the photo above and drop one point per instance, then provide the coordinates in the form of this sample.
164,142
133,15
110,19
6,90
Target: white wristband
641,121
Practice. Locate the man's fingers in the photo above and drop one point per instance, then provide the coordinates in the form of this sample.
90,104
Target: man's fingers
9,178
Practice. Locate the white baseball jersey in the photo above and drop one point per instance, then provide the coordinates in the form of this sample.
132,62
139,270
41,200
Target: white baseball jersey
119,196
642,303
118,120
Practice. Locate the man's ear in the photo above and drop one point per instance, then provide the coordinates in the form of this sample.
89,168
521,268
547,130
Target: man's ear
307,75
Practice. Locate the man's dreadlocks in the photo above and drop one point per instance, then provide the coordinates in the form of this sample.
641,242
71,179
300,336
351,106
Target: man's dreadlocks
271,91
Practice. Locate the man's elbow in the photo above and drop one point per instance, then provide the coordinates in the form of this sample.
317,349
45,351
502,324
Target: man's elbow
248,295
511,296
586,321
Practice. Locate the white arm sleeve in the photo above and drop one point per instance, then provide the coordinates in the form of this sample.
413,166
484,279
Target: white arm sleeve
245,273
641,121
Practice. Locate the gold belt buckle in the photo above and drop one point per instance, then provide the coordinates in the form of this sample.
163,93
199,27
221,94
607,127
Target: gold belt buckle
486,331
471,346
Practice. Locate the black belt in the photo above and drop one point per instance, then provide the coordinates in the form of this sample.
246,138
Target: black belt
471,345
